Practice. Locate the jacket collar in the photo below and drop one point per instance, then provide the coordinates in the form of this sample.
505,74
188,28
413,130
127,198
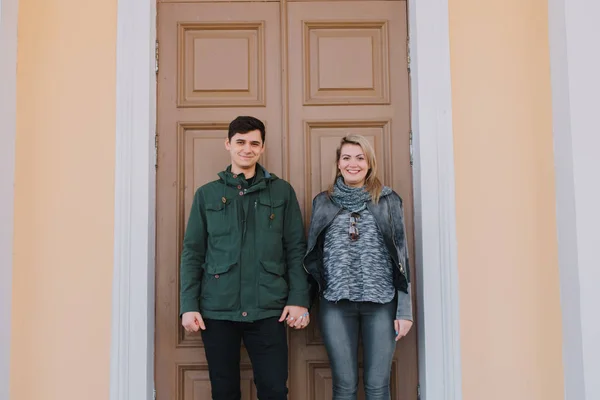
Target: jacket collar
234,180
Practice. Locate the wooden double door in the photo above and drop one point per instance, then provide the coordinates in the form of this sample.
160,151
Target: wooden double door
313,71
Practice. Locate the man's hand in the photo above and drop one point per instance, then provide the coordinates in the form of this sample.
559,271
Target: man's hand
402,326
295,316
192,321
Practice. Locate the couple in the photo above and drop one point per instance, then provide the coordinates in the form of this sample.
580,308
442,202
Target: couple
247,270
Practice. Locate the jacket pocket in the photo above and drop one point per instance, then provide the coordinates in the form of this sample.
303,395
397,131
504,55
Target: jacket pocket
217,219
269,214
220,287
273,287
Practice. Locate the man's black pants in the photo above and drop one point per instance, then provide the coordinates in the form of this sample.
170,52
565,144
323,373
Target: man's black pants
266,343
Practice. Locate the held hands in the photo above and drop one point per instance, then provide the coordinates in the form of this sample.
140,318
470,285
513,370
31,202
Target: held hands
295,316
402,326
192,321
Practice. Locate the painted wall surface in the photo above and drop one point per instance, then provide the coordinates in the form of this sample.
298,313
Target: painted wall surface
507,247
64,200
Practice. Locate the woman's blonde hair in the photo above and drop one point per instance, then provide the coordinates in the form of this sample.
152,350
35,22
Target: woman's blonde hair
372,183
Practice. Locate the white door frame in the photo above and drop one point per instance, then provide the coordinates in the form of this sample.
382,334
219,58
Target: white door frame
574,63
8,108
132,347
435,213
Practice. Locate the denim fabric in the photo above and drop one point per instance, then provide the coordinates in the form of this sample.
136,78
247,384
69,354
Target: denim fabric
342,323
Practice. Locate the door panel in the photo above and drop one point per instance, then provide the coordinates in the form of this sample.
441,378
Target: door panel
346,72
217,61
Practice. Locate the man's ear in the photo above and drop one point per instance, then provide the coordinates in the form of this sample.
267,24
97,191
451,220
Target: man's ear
227,144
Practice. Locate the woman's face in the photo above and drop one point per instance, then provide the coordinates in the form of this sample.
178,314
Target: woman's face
353,165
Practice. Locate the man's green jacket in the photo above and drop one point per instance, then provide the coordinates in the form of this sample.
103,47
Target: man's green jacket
243,249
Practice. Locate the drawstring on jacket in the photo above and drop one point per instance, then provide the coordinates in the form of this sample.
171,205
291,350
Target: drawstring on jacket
271,208
271,214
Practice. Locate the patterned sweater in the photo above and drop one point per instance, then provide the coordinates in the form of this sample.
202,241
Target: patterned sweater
360,270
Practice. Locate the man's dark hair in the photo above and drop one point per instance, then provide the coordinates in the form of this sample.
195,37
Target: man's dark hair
245,124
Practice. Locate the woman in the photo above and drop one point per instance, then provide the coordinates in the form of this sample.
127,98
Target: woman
358,257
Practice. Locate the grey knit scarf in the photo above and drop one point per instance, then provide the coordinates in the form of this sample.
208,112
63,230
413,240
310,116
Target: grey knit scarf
350,198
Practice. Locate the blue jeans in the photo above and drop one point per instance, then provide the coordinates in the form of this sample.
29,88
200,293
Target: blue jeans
341,324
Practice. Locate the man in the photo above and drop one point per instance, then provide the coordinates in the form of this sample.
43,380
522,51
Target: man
242,276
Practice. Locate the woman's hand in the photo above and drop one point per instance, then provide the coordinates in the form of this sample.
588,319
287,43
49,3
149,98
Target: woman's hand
402,326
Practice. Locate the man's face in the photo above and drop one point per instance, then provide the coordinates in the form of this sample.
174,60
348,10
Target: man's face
245,149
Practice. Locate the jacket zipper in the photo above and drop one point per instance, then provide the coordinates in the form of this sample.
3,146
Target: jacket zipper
244,216
399,266
312,248
399,262
308,273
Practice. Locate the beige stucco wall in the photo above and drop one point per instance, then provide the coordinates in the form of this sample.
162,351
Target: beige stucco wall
64,197
507,247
